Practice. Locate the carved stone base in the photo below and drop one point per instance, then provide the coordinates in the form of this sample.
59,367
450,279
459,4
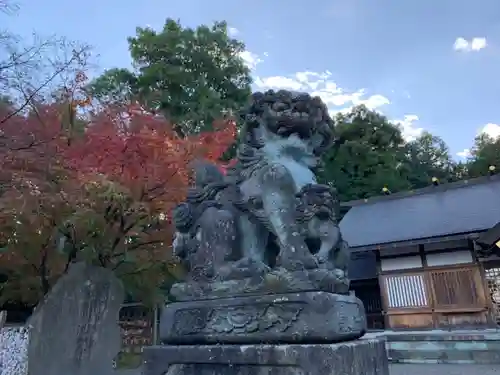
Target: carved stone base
277,281
360,357
305,317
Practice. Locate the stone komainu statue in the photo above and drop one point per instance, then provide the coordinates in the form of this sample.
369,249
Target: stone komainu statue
269,213
266,259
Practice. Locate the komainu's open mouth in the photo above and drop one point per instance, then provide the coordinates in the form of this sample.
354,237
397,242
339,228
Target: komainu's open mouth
286,113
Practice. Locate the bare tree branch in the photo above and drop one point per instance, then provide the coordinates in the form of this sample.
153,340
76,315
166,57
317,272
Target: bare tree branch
37,90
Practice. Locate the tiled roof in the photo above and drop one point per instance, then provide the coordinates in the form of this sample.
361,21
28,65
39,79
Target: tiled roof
444,210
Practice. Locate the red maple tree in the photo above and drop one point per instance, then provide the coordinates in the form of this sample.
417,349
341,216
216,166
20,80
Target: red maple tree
103,196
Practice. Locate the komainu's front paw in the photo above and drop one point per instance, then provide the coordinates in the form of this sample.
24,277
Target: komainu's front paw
321,258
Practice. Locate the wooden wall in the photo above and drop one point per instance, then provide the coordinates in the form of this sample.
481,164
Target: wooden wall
137,323
368,291
422,290
439,297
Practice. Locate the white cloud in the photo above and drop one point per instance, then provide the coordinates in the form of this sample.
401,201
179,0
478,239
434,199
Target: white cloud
336,98
251,59
493,130
373,102
460,44
475,44
478,44
320,84
233,31
278,82
408,127
465,153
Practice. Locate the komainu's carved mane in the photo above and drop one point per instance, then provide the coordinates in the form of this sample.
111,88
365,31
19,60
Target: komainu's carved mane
283,113
317,200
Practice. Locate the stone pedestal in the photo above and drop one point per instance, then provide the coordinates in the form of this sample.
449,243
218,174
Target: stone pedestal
221,330
359,357
304,317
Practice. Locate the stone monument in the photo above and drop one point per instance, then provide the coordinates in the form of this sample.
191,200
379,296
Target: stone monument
267,290
75,330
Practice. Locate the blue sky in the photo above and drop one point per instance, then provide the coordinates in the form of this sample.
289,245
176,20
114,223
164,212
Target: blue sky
428,64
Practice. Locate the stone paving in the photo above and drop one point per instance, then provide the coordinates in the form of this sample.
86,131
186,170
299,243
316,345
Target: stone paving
413,370
445,369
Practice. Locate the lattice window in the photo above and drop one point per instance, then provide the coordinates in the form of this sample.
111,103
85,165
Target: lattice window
406,291
137,324
492,276
454,288
370,295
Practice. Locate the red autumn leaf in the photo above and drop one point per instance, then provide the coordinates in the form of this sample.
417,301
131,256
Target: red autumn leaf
104,196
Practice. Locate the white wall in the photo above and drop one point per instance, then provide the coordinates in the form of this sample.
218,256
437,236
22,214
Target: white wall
401,263
433,260
446,259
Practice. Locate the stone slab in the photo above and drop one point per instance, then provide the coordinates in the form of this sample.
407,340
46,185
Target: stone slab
307,317
445,336
74,330
359,357
274,282
444,351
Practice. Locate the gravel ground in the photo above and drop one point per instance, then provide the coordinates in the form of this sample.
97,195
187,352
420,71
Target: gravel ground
414,370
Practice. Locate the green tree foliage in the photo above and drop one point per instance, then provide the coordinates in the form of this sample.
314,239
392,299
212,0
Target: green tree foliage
190,75
369,155
428,157
485,153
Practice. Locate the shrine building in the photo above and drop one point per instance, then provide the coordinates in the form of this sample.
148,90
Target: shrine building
428,258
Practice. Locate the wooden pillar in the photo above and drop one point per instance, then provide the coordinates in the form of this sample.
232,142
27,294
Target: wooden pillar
383,290
428,284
